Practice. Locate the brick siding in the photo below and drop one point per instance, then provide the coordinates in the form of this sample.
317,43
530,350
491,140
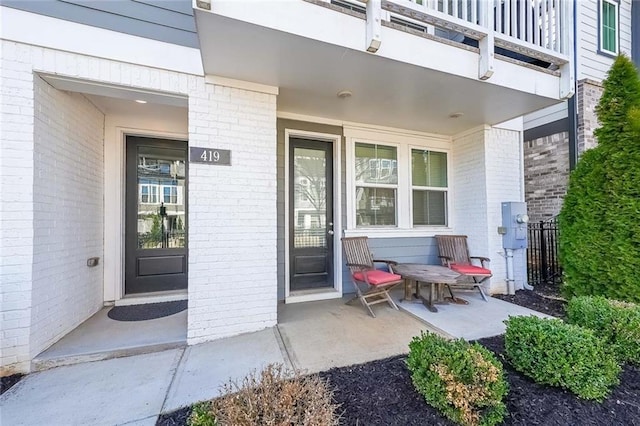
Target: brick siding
546,166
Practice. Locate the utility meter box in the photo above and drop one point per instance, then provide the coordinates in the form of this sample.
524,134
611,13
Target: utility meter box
514,225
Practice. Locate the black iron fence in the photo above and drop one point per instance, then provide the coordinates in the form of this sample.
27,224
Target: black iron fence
543,266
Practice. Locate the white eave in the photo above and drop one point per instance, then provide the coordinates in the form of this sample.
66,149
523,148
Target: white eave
311,53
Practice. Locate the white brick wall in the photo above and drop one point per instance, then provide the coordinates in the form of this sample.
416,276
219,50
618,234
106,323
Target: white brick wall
504,183
232,214
487,170
19,226
16,210
68,213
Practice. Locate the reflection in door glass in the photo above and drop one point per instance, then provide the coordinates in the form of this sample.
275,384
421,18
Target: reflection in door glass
161,198
310,198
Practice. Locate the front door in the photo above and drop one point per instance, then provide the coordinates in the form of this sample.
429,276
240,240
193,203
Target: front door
156,220
310,215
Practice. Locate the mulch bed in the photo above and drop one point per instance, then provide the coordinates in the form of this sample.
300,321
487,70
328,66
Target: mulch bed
8,381
543,298
381,393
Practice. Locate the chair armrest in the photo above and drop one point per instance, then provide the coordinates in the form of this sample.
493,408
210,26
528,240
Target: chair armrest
481,259
361,266
447,260
388,262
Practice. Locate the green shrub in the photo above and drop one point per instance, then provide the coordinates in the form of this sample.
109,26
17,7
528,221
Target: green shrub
599,227
618,323
275,396
201,415
552,352
464,382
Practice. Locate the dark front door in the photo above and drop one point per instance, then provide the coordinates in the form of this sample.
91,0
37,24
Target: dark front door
310,214
156,220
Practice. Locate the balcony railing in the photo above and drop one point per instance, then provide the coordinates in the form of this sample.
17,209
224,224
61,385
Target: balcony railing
536,22
538,32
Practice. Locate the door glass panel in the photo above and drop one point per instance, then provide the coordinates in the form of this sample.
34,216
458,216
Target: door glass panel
310,198
161,198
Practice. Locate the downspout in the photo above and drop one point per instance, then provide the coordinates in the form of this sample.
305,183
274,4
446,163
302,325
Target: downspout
571,105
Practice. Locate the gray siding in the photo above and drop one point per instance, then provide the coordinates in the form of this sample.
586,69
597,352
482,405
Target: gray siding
170,21
418,249
402,250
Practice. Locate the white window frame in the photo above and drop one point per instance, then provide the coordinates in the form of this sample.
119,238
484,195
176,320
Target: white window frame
601,48
378,185
431,188
404,142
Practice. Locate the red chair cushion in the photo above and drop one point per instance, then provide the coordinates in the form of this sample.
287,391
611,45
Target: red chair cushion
470,269
377,277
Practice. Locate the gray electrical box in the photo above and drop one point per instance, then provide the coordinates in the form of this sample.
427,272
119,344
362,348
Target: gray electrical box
514,225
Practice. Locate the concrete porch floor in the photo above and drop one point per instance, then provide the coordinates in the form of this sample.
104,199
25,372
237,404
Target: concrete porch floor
136,389
100,337
314,336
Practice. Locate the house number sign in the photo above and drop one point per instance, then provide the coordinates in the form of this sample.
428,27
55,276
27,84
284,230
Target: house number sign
213,156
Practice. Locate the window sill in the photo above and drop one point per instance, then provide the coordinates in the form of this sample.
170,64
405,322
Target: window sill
607,54
397,233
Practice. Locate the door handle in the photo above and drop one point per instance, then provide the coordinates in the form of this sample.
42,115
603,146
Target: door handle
330,232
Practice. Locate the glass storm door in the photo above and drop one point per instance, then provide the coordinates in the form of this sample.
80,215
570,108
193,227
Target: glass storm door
156,220
310,215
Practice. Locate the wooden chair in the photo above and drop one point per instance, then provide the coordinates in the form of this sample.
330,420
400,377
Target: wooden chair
454,254
372,285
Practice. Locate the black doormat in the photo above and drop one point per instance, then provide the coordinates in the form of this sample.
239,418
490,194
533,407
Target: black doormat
148,311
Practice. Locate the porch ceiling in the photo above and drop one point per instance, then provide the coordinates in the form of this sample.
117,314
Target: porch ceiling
386,92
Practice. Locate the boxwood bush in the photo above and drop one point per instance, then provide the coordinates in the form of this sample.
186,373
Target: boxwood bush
552,352
465,382
618,323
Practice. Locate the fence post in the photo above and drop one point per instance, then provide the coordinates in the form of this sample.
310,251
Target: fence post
543,253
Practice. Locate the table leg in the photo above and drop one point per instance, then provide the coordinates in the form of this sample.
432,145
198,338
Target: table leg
428,303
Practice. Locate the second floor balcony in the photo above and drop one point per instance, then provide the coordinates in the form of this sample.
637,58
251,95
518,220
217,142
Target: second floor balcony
417,63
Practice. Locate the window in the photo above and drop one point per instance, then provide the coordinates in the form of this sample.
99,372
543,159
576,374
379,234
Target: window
376,179
149,194
609,26
170,194
429,187
398,183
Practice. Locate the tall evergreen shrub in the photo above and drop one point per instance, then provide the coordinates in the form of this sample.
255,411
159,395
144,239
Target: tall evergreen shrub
600,218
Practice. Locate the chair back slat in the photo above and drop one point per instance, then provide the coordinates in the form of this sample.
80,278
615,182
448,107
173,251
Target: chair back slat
356,250
455,247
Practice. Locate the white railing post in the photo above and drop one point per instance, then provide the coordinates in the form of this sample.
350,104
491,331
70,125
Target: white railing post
486,43
567,77
374,25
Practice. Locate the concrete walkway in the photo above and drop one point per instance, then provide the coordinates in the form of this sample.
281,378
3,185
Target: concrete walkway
310,337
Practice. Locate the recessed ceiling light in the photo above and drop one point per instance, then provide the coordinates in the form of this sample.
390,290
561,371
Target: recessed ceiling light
456,114
343,94
140,101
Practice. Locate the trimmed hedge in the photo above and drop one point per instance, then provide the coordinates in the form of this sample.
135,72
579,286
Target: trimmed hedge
618,323
554,353
599,241
464,382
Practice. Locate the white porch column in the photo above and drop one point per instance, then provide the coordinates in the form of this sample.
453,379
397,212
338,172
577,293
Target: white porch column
488,170
232,211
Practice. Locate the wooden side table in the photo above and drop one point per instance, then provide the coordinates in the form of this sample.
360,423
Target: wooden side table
435,276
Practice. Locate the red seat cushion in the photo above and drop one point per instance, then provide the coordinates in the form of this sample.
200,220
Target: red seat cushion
377,277
470,269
